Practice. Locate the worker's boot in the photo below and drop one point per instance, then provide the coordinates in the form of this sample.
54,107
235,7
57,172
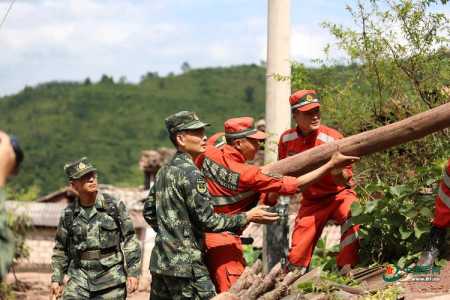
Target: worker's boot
435,242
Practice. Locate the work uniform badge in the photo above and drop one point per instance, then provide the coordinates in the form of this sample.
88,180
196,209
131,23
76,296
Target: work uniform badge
81,166
201,186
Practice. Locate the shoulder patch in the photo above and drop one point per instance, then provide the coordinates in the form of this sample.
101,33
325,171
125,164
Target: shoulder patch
201,185
223,176
289,137
325,138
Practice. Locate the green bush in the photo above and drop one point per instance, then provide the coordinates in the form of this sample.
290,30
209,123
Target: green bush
395,219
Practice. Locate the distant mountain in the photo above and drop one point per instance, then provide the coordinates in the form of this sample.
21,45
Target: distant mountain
112,122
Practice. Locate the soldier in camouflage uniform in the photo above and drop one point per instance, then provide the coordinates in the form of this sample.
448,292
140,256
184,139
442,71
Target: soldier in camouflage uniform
7,165
96,245
179,209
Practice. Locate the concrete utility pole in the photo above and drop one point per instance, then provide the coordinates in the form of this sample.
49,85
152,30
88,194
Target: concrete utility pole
278,115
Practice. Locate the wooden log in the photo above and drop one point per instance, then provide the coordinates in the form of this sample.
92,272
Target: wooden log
251,292
282,289
226,296
367,142
246,278
265,285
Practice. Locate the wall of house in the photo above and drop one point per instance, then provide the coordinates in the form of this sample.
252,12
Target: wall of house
40,242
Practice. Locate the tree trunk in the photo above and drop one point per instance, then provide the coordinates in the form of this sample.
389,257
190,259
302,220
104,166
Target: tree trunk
365,143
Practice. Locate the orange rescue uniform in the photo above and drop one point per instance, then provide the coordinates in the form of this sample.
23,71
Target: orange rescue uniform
235,187
322,201
442,204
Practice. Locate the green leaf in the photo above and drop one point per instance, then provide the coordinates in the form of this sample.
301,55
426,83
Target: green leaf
402,262
371,205
441,262
356,209
411,214
398,191
419,230
404,232
425,211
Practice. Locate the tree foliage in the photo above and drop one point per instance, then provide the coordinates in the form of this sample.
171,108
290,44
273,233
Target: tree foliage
398,65
112,122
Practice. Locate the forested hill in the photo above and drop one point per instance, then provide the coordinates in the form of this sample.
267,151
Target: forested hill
112,122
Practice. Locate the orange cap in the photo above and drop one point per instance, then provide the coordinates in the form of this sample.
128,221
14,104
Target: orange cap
304,100
243,127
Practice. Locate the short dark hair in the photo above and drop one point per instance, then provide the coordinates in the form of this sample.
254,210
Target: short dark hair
173,138
231,140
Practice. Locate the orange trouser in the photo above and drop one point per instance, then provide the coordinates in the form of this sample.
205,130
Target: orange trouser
442,210
224,258
310,221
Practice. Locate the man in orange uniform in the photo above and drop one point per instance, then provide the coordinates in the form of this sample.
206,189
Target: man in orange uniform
236,187
441,222
328,199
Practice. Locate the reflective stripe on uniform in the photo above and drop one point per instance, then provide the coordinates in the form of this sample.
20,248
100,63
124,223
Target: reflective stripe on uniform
446,178
219,144
289,137
227,200
347,225
348,240
444,197
325,138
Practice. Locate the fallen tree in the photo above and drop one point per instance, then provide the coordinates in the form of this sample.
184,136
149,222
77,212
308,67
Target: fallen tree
365,143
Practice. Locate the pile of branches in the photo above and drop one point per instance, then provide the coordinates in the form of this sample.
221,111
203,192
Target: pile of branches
254,284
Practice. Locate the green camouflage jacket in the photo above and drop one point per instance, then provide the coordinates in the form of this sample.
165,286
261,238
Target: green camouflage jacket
179,209
95,231
6,240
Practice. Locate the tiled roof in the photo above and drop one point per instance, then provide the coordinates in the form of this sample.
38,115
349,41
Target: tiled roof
47,214
46,210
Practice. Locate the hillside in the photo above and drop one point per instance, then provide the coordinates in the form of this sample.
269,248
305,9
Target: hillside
111,122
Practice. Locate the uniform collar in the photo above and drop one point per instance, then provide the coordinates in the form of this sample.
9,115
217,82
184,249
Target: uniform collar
99,205
232,152
184,156
311,134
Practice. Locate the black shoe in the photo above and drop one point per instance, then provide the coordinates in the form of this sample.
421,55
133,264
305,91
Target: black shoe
431,252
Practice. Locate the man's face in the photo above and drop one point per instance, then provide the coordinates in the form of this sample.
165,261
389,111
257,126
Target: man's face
86,184
309,120
192,141
248,147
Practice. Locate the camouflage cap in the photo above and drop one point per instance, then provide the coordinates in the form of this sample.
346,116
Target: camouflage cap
183,120
76,169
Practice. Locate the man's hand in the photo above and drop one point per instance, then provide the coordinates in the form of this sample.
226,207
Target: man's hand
260,215
132,284
55,290
339,160
7,158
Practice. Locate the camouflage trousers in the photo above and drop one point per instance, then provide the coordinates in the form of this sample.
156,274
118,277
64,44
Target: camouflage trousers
73,291
178,288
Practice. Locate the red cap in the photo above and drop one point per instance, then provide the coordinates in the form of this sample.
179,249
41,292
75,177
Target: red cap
304,100
243,127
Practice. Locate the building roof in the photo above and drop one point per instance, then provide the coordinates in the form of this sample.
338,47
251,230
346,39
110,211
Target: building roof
48,214
40,214
46,210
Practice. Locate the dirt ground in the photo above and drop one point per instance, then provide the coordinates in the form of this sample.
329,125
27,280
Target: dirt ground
37,286
417,289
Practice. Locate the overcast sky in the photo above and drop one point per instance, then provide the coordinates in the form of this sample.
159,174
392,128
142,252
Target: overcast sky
44,40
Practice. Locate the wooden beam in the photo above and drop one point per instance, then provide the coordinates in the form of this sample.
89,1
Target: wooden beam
368,142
